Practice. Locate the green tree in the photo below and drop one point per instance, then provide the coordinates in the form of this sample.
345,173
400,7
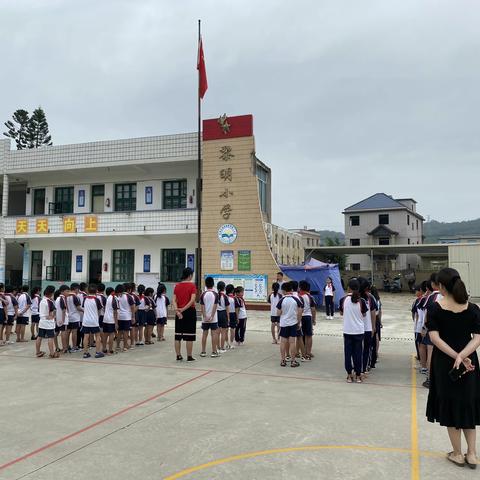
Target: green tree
18,129
341,259
38,133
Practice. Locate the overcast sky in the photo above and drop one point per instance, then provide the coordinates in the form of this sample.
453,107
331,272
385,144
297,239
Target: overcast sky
349,98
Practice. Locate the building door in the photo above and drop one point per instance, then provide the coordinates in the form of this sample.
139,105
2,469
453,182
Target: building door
95,266
36,268
39,201
98,198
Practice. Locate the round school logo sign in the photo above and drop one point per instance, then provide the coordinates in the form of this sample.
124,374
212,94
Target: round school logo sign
227,233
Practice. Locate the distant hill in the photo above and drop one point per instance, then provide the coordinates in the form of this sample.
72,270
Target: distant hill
433,230
324,234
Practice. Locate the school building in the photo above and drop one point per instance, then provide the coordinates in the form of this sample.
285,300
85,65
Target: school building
126,210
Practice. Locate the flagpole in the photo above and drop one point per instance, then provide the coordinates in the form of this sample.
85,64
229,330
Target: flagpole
198,274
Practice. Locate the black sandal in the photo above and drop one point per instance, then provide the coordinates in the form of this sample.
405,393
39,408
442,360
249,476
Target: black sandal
179,358
283,363
294,364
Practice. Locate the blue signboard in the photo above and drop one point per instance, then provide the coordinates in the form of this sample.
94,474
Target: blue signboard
146,263
79,263
191,261
81,198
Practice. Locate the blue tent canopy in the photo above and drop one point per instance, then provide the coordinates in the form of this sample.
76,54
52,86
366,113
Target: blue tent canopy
316,273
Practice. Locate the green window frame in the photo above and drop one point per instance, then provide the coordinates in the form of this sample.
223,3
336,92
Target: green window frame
125,197
63,200
123,265
61,267
39,201
174,194
173,263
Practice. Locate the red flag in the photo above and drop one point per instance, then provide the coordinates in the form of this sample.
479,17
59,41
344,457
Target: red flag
202,72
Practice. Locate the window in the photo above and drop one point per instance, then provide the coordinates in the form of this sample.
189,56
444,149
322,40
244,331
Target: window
262,180
98,198
354,266
354,242
173,263
384,241
61,268
383,219
276,239
308,241
63,200
412,225
175,194
123,265
288,242
354,221
417,224
39,201
408,219
125,197
318,242
409,241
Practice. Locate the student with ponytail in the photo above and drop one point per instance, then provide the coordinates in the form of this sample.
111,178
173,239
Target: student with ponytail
353,309
454,396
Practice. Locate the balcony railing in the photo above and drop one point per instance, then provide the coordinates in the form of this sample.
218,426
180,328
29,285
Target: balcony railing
113,223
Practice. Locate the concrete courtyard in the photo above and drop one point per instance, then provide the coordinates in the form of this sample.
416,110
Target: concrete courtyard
142,415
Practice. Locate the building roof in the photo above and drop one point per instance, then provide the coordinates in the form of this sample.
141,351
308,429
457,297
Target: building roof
380,201
376,202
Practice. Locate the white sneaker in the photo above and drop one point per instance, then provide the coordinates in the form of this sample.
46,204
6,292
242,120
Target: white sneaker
232,347
203,354
221,350
215,355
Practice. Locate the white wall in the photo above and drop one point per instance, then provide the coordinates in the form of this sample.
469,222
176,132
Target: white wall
143,245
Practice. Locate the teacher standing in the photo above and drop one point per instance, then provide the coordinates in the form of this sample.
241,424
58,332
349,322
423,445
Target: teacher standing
454,395
184,297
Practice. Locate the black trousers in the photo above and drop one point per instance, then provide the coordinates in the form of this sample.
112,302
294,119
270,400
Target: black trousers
352,347
367,350
329,306
240,330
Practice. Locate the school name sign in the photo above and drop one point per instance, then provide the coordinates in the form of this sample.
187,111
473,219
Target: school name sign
69,223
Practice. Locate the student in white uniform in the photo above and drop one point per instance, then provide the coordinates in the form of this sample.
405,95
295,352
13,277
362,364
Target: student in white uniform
354,310
223,310
329,296
150,315
91,324
308,318
110,321
12,311
161,309
46,325
273,300
74,311
24,302
35,318
289,309
61,317
209,304
126,312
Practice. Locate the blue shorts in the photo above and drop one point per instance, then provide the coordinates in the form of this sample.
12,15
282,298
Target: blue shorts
10,319
150,318
87,330
100,321
307,326
426,340
232,321
35,318
60,329
141,318
209,326
162,321
73,326
108,327
124,325
46,332
275,318
222,319
22,320
290,331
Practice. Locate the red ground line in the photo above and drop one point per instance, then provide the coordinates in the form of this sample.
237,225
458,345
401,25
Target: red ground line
99,422
212,370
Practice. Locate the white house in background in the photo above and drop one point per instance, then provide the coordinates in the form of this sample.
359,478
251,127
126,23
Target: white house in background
383,220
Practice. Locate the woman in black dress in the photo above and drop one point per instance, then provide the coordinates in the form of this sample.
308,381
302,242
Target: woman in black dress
454,326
